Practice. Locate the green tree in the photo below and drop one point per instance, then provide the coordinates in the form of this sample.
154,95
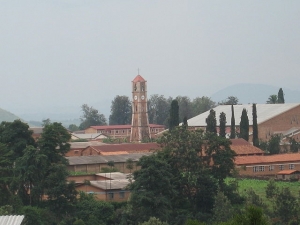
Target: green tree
17,136
91,117
202,104
244,125
89,209
280,96
211,122
46,122
223,209
196,179
285,205
174,115
31,169
152,189
271,189
222,119
185,107
231,100
294,145
272,99
159,109
154,221
6,174
255,126
53,143
274,144
121,111
232,125
253,215
73,127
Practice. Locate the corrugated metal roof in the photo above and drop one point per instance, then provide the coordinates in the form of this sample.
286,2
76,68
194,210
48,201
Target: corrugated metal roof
11,220
95,159
75,145
110,184
264,112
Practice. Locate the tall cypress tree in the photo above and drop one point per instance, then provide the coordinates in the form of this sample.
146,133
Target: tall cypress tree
255,127
244,125
280,96
185,123
222,132
174,115
232,126
211,122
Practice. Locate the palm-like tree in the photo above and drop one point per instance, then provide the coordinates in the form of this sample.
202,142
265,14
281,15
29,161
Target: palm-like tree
273,99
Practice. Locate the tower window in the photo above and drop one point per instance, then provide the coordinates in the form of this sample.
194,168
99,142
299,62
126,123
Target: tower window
136,108
135,87
143,88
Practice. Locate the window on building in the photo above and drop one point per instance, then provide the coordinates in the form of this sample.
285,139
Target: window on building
117,131
281,167
292,166
110,195
261,168
76,151
255,169
271,167
122,194
123,131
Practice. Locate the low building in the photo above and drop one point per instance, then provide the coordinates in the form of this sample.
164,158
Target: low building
116,149
122,131
267,165
105,186
76,148
288,175
271,118
96,163
88,137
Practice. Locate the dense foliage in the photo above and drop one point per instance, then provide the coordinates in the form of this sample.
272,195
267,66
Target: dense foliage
222,121
91,117
180,182
232,125
121,111
244,125
174,115
255,126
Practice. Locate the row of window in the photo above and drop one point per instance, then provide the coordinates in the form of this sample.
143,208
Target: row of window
111,195
272,167
123,131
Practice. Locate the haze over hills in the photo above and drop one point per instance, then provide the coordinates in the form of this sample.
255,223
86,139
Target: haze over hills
8,116
245,92
255,93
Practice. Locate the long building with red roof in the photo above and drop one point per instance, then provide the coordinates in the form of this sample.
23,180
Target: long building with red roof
121,131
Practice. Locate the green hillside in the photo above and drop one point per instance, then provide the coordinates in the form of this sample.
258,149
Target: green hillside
8,116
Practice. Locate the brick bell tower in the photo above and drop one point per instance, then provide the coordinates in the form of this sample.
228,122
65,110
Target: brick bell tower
140,129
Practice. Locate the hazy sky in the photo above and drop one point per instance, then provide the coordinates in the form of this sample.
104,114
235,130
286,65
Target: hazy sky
59,54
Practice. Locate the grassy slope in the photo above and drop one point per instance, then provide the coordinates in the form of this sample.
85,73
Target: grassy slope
259,186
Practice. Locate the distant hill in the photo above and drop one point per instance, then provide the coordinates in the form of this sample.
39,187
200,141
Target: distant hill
255,93
8,116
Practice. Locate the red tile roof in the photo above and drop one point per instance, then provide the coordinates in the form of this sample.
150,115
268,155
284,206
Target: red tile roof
287,172
138,78
121,148
243,147
267,159
239,141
